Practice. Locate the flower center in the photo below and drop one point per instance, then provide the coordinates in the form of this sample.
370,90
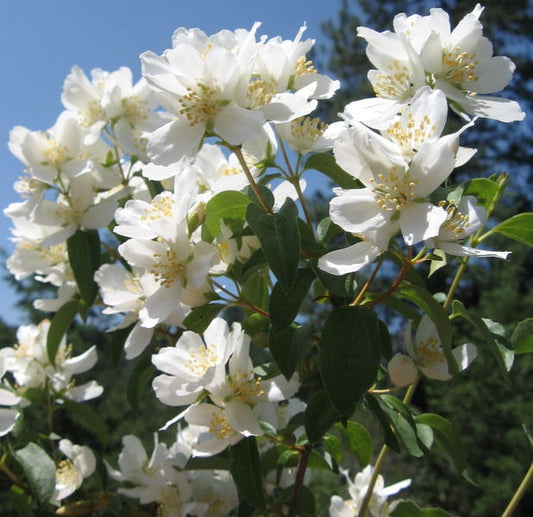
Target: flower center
67,475
460,66
93,113
429,352
135,109
160,207
303,66
201,360
56,154
396,83
307,130
394,190
219,426
411,134
260,92
243,388
456,223
200,105
167,269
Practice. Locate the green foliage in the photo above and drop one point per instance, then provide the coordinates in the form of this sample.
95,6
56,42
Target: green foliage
349,356
39,470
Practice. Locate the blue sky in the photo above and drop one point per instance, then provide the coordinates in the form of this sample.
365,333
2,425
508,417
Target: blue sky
41,41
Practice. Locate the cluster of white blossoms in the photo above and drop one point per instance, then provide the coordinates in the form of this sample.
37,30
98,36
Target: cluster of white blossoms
218,367
163,480
142,171
357,489
30,366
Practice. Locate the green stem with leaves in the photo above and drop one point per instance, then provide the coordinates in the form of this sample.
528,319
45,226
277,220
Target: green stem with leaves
363,512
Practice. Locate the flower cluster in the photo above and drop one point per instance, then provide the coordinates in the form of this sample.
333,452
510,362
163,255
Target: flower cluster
172,204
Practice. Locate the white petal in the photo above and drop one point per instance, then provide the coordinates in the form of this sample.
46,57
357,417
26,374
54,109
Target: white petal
421,221
464,355
350,259
242,418
88,391
171,142
8,418
236,125
81,363
402,370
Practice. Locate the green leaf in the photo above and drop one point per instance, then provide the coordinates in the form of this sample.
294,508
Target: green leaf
333,446
343,286
519,228
411,509
327,229
501,353
483,189
447,437
84,256
39,469
245,468
20,501
349,355
255,291
88,418
319,416
139,378
279,238
287,345
522,338
58,327
200,317
359,441
326,164
229,205
404,424
386,423
117,344
421,297
285,304
386,340
438,261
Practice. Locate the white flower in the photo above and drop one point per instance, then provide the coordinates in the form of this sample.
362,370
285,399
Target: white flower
396,188
462,221
426,50
215,491
427,353
125,292
306,134
70,473
357,489
191,364
28,362
59,150
199,90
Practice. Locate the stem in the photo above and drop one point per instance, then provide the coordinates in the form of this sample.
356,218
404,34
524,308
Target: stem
406,266
363,512
16,480
298,482
455,283
295,181
367,285
241,301
238,153
520,492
